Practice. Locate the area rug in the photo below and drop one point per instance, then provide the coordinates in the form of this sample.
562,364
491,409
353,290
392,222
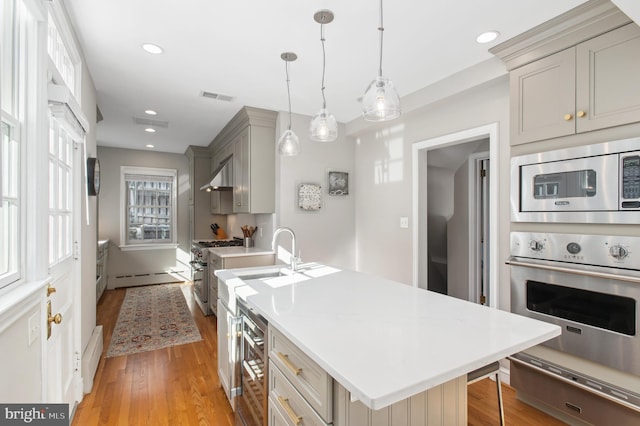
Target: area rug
152,317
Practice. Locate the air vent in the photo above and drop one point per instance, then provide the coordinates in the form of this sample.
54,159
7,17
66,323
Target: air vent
150,122
216,96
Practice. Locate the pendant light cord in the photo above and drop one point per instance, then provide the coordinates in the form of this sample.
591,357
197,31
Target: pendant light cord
381,29
324,100
286,69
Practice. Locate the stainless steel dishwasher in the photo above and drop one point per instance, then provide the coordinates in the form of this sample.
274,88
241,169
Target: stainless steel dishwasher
251,409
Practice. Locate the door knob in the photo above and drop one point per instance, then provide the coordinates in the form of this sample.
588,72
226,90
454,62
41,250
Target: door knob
581,114
57,318
568,117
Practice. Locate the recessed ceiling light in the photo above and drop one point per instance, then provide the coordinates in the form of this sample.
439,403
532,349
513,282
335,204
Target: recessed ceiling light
150,112
154,49
150,146
487,36
150,130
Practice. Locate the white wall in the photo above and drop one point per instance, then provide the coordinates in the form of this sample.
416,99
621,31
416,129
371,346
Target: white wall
89,231
383,176
327,235
140,261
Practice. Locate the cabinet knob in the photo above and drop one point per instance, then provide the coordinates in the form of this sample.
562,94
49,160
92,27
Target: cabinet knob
581,114
568,117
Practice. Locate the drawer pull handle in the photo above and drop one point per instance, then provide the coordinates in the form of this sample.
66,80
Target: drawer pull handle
285,359
296,419
573,407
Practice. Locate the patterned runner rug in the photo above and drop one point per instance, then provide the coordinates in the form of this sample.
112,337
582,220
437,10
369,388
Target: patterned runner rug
152,317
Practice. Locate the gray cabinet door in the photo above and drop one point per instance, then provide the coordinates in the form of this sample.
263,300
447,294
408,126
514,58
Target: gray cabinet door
543,97
241,164
608,79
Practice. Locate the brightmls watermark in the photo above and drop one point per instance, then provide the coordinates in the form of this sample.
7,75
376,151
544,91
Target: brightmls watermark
34,414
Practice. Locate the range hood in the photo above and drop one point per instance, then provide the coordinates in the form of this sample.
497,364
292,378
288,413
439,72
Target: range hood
222,177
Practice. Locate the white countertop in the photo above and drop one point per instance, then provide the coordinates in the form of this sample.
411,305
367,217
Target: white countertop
386,341
238,251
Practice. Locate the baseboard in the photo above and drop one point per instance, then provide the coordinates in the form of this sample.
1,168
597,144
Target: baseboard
132,280
91,359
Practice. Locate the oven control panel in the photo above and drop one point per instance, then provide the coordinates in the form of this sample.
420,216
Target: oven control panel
598,250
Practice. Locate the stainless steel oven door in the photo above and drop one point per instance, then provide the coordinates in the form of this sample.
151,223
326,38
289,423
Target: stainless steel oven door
597,308
200,284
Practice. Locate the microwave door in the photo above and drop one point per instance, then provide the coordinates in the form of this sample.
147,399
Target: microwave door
582,184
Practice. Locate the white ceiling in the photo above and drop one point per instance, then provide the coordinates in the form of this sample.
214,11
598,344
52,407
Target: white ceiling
233,48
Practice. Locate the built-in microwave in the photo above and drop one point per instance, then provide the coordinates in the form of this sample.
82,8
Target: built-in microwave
597,183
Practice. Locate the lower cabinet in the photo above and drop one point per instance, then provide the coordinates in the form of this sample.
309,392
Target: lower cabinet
302,393
101,268
216,262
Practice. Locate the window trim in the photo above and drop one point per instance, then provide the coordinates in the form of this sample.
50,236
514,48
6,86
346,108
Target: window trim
17,275
149,171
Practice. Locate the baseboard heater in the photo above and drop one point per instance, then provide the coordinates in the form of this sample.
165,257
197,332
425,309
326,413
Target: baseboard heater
164,277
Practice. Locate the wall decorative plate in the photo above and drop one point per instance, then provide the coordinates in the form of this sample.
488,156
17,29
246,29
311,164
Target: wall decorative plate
310,196
338,183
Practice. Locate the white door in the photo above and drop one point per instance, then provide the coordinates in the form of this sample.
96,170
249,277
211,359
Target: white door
63,376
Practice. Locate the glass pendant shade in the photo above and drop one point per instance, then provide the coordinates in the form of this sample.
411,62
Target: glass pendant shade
324,127
381,101
288,144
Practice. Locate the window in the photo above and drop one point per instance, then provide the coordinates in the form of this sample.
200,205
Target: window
10,146
149,206
60,193
61,57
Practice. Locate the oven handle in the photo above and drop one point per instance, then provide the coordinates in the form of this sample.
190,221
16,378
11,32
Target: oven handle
593,274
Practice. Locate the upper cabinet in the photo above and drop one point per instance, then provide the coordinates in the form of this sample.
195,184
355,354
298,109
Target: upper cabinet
199,201
577,73
593,85
250,138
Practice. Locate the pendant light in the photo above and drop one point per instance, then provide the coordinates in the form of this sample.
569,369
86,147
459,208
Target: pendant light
323,127
380,101
288,144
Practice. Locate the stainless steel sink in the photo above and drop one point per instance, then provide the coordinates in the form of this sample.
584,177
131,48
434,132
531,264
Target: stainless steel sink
262,275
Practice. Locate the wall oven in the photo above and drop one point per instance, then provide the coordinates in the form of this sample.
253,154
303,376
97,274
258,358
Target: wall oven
590,286
597,183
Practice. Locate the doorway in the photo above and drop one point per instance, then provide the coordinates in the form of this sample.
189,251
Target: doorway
455,214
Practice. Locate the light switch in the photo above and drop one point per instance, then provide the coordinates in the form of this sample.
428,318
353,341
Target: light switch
404,222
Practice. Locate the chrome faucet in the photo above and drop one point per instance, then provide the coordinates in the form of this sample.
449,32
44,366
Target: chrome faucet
294,259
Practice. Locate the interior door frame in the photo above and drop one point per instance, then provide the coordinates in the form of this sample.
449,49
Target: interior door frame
475,224
419,197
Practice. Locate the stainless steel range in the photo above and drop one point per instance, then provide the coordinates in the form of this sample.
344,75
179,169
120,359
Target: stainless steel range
590,286
200,272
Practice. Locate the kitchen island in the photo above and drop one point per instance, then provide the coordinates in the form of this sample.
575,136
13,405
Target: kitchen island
383,342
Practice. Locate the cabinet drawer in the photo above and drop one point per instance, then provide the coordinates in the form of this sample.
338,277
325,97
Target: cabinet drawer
555,396
313,383
290,406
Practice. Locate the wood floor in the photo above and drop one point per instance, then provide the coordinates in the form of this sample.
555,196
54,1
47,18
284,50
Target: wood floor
179,385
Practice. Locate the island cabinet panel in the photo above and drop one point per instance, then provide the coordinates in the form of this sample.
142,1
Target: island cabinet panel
306,376
442,405
590,86
284,397
301,392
